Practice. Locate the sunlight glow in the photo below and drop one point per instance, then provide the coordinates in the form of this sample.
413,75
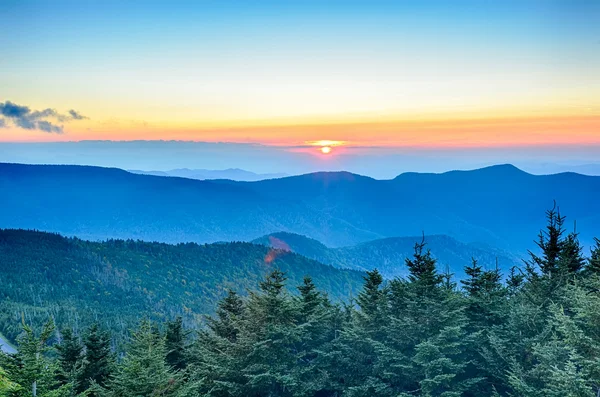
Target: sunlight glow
325,150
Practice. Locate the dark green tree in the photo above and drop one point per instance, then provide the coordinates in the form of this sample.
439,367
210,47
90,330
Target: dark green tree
229,311
98,361
175,343
551,243
571,260
70,354
422,268
373,303
144,371
593,265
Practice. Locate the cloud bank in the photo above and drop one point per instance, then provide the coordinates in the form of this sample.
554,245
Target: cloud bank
21,116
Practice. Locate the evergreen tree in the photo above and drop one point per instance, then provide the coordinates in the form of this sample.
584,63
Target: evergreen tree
422,268
32,369
514,281
373,303
229,311
473,283
551,243
144,371
593,265
310,298
70,353
98,362
175,344
571,260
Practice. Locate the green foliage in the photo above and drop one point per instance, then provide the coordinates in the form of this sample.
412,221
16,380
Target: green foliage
144,372
98,362
535,335
78,283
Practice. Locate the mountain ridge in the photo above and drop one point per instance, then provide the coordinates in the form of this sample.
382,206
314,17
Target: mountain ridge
336,208
389,254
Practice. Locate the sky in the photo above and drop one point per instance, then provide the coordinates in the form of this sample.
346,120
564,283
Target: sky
375,78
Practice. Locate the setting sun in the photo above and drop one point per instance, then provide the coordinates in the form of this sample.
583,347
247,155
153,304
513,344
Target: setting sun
325,150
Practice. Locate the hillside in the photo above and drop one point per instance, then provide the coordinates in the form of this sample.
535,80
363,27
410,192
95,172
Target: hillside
388,255
114,281
501,206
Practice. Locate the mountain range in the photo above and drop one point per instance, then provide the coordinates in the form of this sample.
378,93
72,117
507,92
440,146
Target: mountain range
234,174
389,255
500,206
78,282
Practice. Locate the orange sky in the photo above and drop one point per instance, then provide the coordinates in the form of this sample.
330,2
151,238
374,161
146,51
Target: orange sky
447,132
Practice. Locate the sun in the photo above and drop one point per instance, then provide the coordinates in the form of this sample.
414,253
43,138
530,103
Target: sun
326,149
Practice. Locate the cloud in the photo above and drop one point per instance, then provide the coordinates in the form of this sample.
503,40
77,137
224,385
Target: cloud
23,117
76,115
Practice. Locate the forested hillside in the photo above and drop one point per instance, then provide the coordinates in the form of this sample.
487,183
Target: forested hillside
389,255
423,335
499,205
114,282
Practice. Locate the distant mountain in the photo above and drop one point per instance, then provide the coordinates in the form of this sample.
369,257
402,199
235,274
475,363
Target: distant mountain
501,206
388,255
552,168
234,174
114,281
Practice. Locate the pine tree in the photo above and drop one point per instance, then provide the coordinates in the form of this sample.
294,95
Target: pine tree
571,260
175,344
514,281
473,284
98,362
593,265
551,243
229,311
373,302
310,298
32,369
70,354
422,268
144,371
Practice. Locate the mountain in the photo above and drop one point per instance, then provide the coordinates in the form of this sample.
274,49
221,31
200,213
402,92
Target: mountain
388,255
234,174
500,206
113,281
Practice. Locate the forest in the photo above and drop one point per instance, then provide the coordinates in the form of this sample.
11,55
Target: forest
534,331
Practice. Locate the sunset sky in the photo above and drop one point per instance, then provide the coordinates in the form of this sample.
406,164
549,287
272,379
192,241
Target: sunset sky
426,74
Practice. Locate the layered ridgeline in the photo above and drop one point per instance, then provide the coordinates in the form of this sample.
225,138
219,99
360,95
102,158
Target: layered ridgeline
389,255
499,205
234,174
114,282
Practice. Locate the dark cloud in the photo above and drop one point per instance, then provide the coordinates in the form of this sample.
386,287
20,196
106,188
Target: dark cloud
76,115
23,117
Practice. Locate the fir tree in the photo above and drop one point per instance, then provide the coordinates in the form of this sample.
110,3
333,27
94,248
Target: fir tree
70,353
571,260
144,371
593,265
422,268
229,311
372,301
515,280
473,284
551,243
310,298
98,362
31,367
175,344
